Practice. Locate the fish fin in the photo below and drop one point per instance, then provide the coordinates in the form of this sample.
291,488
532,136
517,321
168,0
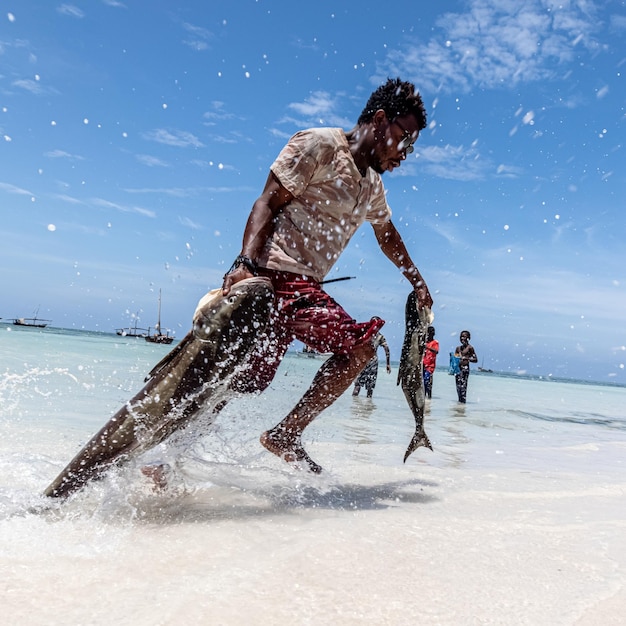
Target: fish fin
420,438
169,357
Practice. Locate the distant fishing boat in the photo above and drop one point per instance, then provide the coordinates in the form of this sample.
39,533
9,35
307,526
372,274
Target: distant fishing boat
33,322
133,331
482,369
313,354
158,336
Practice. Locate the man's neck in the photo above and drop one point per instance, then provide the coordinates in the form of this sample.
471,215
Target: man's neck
360,148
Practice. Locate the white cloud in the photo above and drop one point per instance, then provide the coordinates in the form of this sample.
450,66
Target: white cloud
179,138
151,161
70,10
106,204
200,37
320,108
319,103
455,162
187,192
496,43
175,192
66,198
185,221
219,113
199,46
509,171
280,134
61,154
198,31
16,190
29,85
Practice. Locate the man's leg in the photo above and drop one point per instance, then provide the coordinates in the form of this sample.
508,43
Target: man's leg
427,384
309,314
333,378
461,385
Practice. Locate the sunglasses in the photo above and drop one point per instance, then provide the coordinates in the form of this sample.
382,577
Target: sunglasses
406,143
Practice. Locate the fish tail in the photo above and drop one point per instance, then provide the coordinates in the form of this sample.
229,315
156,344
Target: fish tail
420,438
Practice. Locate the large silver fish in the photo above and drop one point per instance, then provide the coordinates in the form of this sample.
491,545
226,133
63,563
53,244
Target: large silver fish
195,374
410,371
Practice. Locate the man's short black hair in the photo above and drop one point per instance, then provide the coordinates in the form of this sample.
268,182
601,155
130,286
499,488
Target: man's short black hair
396,98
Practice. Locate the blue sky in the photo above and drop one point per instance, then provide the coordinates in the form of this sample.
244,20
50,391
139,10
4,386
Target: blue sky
136,135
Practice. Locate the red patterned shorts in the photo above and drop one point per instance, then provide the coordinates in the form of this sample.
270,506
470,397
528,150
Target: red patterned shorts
304,311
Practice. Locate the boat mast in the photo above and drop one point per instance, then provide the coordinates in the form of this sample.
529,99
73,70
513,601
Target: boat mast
158,325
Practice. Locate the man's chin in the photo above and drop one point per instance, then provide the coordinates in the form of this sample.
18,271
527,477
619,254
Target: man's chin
389,166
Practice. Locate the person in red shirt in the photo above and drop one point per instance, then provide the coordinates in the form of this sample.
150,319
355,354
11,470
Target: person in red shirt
431,350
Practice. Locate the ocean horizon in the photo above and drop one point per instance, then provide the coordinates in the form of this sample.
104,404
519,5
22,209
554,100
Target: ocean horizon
294,350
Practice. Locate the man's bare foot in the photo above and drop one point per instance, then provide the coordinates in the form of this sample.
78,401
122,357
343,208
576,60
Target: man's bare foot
289,449
158,473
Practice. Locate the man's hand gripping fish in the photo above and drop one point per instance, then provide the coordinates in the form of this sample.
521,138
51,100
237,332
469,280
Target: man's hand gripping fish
410,374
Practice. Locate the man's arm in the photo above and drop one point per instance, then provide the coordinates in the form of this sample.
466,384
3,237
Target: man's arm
259,227
393,247
472,358
387,355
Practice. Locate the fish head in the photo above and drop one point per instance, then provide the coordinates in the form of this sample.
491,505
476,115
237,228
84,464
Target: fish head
416,316
249,301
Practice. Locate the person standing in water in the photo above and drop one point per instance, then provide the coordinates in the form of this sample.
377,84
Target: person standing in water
466,354
431,350
369,374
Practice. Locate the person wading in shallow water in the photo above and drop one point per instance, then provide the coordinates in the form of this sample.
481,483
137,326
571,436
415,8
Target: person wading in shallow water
324,184
431,350
369,374
466,355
